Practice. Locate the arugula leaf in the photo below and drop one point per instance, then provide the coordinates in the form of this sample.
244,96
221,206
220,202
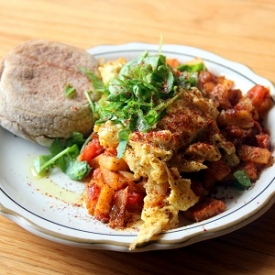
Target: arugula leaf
195,65
123,136
63,154
77,170
242,180
43,163
76,138
128,68
38,165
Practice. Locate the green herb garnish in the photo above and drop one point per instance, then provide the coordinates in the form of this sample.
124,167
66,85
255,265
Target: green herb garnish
139,96
242,180
195,65
70,91
98,85
63,154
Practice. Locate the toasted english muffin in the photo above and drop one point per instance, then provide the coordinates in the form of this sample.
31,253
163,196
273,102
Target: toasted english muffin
33,103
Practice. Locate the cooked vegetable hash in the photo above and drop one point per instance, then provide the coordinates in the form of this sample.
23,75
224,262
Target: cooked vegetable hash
165,135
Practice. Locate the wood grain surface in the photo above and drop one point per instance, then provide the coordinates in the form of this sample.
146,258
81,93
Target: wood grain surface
240,30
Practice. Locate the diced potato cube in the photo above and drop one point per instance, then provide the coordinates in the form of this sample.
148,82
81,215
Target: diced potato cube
103,205
112,163
254,154
115,180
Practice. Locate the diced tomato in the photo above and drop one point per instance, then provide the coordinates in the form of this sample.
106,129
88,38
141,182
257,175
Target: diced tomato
263,140
261,98
130,199
97,174
91,150
134,200
93,192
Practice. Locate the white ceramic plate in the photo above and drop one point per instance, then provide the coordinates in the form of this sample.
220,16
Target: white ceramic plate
51,208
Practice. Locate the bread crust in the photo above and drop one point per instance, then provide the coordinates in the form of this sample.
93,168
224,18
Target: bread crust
33,104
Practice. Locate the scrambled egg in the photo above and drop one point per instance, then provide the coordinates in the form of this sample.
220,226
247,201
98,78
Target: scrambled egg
108,134
149,161
111,69
153,157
